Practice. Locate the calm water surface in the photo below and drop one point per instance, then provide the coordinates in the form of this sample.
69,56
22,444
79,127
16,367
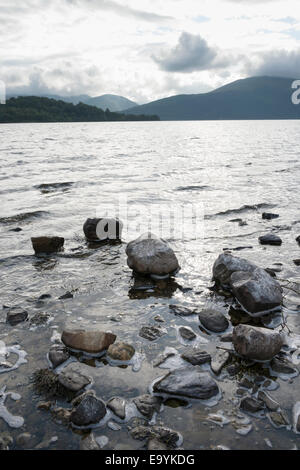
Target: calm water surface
231,170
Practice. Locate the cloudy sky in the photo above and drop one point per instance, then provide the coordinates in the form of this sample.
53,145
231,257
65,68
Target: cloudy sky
144,49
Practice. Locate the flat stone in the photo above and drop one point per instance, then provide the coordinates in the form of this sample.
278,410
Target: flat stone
16,315
89,341
282,365
189,382
256,343
219,360
117,405
271,404
121,351
152,332
279,418
147,405
72,377
182,311
251,404
47,244
213,320
58,354
270,239
88,410
187,333
196,356
149,254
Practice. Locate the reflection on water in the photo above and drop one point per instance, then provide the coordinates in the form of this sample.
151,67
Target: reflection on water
69,172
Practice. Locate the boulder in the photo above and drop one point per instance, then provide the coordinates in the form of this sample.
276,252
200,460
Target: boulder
213,320
149,254
188,382
16,315
73,378
256,343
226,264
88,410
121,351
47,244
257,292
270,239
103,229
92,342
58,354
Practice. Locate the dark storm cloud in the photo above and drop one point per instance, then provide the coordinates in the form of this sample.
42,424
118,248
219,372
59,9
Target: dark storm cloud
190,54
279,63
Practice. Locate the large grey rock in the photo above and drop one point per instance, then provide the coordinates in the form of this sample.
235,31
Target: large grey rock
191,382
213,320
149,254
88,410
73,378
257,292
256,343
103,229
47,244
147,404
89,341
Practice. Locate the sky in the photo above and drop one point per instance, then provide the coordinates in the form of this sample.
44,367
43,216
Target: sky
144,49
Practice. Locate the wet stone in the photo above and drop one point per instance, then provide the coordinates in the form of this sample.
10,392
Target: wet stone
187,333
121,351
251,404
16,315
73,378
47,245
182,311
165,435
88,443
159,319
155,444
39,319
282,366
296,262
67,295
147,405
92,342
219,360
271,404
279,418
88,410
58,354
152,332
256,343
24,440
213,320
298,239
196,356
117,406
270,239
269,216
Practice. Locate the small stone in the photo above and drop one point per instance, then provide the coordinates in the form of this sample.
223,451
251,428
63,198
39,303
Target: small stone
89,410
117,405
270,239
166,435
39,319
72,377
17,229
155,444
24,440
196,356
226,338
279,418
271,404
147,405
67,295
256,343
152,332
213,320
16,315
44,405
282,366
251,404
219,360
44,297
121,351
88,443
58,354
297,262
298,239
61,415
269,216
182,311
187,333
89,341
159,319
47,244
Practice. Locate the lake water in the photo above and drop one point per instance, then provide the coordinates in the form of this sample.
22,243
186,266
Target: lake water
222,170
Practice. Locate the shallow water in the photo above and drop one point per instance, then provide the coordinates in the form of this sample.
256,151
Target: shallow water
225,170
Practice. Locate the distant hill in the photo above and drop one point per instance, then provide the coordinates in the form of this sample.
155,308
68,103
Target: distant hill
37,109
251,98
111,102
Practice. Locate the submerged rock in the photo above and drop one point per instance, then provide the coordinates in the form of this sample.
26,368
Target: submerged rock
47,244
149,254
103,229
270,239
213,320
88,410
58,354
147,405
187,333
117,405
73,378
191,382
89,341
152,332
251,404
156,444
166,435
196,356
16,315
121,351
279,418
256,343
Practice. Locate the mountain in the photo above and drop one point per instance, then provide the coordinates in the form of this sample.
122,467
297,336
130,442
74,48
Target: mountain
37,109
111,102
250,98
